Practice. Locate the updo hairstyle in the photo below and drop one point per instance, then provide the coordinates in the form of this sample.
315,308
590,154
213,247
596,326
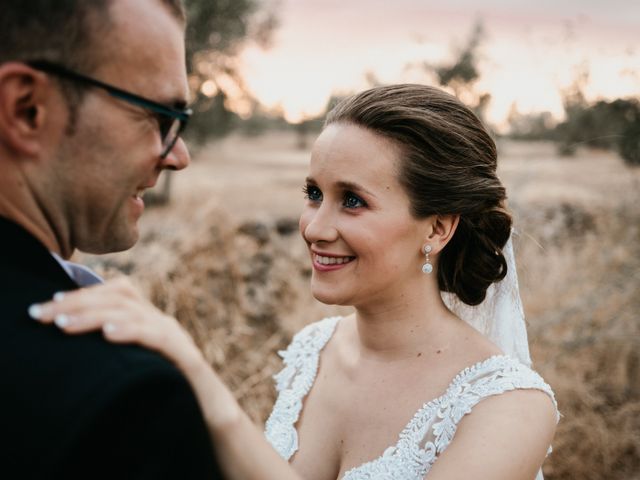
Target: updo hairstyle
448,166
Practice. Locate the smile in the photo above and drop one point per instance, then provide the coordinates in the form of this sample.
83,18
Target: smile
332,260
328,262
139,193
137,201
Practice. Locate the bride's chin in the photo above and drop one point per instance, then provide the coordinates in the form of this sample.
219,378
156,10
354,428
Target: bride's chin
329,297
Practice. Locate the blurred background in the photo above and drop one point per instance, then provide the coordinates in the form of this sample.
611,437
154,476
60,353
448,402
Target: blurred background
557,83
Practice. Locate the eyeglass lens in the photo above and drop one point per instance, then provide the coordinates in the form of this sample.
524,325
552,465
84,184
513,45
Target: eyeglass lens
169,130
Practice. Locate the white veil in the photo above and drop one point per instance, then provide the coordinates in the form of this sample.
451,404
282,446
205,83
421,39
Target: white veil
500,316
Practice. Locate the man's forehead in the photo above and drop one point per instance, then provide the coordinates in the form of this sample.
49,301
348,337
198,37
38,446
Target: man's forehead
145,50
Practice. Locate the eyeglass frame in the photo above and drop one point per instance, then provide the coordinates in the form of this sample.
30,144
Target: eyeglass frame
182,115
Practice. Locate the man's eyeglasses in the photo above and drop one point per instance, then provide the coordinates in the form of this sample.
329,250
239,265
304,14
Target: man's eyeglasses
171,121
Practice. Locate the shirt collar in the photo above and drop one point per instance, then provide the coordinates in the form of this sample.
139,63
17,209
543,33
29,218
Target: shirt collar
82,275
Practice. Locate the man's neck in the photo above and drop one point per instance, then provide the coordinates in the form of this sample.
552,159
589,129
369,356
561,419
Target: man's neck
25,200
17,205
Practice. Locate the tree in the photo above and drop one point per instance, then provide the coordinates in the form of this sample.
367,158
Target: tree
462,73
612,125
629,142
216,31
530,126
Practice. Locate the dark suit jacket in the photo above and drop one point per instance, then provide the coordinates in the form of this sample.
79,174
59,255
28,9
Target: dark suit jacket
80,407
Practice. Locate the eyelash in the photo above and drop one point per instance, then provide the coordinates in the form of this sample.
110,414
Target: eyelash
311,192
351,195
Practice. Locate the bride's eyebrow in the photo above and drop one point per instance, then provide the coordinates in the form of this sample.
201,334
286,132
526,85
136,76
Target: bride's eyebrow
345,185
354,187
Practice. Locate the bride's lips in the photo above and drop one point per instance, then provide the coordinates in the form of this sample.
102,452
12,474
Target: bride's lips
326,262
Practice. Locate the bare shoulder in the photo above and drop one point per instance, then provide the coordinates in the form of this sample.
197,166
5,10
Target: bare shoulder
529,409
505,436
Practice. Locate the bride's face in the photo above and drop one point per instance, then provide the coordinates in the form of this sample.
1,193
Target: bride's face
365,246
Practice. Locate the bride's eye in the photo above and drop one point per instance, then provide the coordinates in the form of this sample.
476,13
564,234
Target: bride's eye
313,193
351,200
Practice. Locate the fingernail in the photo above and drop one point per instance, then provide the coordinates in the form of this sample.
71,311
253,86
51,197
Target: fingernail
61,320
58,296
35,311
109,328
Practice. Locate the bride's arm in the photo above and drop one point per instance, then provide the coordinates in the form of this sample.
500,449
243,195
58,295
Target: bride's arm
505,437
241,448
125,316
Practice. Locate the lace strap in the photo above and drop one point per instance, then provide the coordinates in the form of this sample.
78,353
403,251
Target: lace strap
432,428
499,375
293,383
301,352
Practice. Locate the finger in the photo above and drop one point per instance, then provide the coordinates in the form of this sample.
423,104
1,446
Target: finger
60,311
91,321
88,316
47,311
164,336
145,334
124,332
92,314
76,302
114,324
62,302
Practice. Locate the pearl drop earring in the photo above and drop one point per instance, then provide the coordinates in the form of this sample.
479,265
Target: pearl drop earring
427,268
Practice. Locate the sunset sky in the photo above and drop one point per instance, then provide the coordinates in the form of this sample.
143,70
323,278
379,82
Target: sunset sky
531,50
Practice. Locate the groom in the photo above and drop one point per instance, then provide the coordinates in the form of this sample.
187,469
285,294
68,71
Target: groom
92,100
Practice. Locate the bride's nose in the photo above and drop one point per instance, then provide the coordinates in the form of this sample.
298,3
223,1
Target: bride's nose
319,224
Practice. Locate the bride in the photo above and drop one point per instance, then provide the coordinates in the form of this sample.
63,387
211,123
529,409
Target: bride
429,377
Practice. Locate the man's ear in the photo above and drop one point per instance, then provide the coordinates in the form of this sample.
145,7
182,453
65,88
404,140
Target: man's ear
441,230
23,108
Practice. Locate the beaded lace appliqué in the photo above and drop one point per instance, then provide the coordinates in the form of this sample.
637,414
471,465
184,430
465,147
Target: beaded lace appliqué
293,383
426,435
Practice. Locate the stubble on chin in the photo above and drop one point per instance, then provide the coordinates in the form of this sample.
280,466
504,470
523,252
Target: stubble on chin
109,238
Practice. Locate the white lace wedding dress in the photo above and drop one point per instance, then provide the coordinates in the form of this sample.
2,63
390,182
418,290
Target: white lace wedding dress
426,435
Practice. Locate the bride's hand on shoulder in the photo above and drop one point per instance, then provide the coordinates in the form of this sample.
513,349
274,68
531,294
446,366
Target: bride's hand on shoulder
124,315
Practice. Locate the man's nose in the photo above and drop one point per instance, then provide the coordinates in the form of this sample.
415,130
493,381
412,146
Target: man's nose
178,157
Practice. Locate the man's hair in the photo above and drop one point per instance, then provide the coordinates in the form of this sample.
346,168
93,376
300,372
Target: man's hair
63,31
68,32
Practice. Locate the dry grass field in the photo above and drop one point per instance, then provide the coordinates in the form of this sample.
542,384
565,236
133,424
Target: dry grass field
225,258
